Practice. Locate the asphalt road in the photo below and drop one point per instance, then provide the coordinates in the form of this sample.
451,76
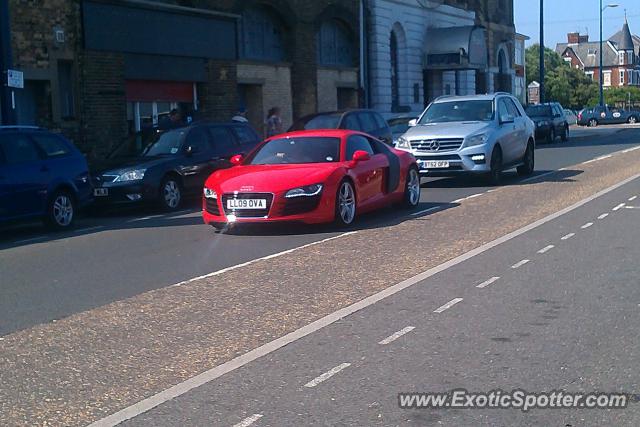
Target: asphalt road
557,309
109,258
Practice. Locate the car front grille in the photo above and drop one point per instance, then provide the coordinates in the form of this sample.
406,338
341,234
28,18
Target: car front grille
211,205
437,145
300,205
247,213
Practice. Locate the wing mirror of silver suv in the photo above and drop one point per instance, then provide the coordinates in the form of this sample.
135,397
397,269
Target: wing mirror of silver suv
507,119
413,123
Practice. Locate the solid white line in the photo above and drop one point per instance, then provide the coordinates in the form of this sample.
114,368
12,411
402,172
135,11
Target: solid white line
568,236
448,305
249,420
425,211
253,261
620,206
458,200
317,380
546,249
216,372
397,335
628,150
520,264
31,240
473,196
537,176
145,218
488,282
587,225
603,216
84,230
631,199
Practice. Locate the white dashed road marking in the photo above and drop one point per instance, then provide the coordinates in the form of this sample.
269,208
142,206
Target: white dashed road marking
603,216
426,211
568,236
249,420
448,305
587,225
317,380
631,199
546,249
520,264
145,218
397,335
488,282
620,206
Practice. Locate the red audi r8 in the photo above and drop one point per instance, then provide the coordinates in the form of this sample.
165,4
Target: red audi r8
311,177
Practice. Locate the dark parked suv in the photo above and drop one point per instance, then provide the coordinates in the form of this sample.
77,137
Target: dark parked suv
366,121
175,164
42,175
550,121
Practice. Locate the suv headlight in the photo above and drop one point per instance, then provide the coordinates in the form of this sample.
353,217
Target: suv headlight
477,139
403,142
209,193
543,123
306,191
132,175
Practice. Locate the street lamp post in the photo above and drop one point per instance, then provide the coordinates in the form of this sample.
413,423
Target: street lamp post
601,73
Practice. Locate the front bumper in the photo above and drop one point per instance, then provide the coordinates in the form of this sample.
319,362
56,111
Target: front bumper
307,210
459,162
542,132
124,193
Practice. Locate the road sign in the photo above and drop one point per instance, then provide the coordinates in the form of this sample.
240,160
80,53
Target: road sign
15,79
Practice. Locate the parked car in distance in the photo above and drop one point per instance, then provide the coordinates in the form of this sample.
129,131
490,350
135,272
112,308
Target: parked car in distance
399,125
315,176
42,175
476,134
572,116
174,165
550,121
367,121
606,116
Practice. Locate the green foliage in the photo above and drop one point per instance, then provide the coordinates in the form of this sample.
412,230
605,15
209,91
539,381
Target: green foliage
568,86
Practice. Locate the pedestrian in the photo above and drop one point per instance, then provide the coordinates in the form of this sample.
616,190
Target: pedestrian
175,120
241,116
274,122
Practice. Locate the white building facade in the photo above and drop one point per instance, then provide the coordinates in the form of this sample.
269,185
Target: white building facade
420,49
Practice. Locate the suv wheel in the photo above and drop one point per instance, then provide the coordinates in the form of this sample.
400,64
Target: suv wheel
61,210
529,162
495,175
632,120
565,134
552,136
592,123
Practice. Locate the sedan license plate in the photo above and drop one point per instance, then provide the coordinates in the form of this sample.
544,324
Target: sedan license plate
435,164
246,204
100,192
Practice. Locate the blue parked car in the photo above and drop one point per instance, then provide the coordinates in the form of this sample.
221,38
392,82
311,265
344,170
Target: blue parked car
42,175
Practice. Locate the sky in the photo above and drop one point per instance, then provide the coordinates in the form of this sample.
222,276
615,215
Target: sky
565,16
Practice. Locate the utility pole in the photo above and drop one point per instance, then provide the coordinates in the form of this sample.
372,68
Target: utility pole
542,51
601,83
6,99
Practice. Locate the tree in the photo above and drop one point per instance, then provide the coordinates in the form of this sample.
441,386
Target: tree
532,58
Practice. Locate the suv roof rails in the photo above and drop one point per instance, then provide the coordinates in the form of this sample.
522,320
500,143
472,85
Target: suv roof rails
444,97
502,93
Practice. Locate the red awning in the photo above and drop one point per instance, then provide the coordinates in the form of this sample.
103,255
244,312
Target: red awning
150,91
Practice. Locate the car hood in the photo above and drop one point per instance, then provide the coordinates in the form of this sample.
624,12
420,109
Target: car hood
446,130
122,164
269,178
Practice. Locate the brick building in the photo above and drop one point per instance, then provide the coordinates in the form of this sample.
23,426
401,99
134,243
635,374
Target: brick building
421,49
620,62
99,70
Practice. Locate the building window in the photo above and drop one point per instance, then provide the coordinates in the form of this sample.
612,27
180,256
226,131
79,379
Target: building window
621,81
262,35
621,57
590,75
395,78
606,81
335,44
65,85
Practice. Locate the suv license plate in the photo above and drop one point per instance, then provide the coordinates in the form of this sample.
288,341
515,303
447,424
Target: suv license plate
435,164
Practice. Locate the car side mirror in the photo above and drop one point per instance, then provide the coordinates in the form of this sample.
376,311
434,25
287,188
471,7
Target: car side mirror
236,160
506,119
188,151
413,123
361,156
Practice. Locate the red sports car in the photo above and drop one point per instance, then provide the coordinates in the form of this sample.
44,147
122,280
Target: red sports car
311,177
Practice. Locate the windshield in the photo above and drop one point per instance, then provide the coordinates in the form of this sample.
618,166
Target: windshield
167,144
400,125
298,151
539,111
322,121
458,111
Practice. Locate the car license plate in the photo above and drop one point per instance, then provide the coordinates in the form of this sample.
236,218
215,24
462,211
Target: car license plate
100,192
246,204
435,164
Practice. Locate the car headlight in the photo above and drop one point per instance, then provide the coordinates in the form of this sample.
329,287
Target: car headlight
477,139
209,193
403,142
543,123
132,175
306,191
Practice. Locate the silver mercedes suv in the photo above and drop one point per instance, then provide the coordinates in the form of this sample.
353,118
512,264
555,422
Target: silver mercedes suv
478,134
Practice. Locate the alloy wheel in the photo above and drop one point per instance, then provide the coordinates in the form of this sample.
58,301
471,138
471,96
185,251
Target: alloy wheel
413,187
346,203
63,210
172,195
